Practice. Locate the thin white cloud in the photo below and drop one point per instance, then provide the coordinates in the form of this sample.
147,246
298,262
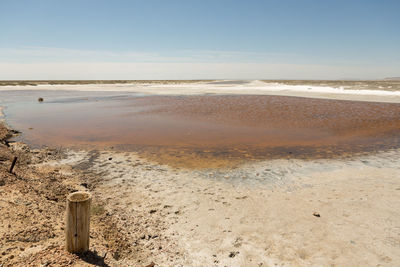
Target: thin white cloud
32,54
63,63
51,54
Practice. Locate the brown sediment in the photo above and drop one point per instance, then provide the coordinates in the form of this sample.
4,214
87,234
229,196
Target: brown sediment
213,131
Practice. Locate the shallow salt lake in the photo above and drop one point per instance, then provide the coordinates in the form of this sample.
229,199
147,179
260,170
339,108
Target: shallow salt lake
203,130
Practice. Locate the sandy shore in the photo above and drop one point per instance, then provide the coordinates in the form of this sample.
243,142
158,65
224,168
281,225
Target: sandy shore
259,214
32,206
276,212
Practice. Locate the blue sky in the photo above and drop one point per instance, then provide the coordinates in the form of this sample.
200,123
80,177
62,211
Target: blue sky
187,39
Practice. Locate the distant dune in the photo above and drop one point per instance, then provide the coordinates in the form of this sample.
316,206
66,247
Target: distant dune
392,79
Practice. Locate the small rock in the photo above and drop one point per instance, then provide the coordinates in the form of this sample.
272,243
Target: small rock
233,254
316,214
40,99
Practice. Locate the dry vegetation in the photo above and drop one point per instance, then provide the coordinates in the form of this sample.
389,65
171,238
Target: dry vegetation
78,82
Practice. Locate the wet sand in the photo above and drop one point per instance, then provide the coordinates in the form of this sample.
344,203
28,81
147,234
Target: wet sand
214,131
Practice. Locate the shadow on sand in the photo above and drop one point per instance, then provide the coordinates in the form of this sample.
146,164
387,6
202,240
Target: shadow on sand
93,258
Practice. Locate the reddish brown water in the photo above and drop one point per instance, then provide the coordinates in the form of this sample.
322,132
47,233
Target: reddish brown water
213,131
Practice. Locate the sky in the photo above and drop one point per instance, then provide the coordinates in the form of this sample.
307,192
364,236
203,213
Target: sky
202,39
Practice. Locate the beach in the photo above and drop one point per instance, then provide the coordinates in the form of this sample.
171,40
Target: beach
219,173
260,214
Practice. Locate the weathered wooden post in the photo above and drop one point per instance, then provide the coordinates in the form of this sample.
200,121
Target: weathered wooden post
78,222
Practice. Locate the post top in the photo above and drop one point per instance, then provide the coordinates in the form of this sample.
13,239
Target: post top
79,196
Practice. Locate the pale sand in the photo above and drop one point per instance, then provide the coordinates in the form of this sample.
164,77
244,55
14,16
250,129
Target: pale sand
251,87
260,214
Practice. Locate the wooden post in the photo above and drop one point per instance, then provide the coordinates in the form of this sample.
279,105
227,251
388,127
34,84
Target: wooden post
78,222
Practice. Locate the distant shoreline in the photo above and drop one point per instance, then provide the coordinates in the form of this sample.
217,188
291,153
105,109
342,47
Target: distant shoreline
371,91
156,81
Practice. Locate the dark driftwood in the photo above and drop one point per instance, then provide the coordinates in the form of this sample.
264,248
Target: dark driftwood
13,164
